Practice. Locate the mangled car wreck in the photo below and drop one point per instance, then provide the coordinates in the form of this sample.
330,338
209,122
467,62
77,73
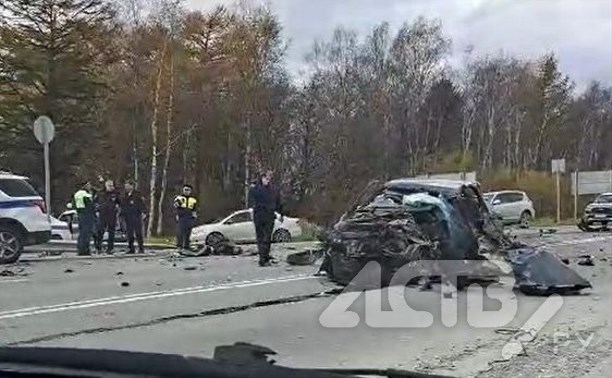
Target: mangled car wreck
406,221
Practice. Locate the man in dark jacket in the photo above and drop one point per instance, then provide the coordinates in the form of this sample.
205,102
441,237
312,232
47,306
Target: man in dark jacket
265,201
133,211
108,207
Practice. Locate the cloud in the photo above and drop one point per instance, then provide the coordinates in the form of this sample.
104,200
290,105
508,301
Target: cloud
578,31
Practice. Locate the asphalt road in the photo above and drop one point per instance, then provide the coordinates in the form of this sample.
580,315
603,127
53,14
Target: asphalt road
190,305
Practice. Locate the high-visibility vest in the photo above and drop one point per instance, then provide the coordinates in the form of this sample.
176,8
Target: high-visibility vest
183,202
79,198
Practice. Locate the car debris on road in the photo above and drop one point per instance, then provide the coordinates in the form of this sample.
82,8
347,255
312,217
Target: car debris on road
406,221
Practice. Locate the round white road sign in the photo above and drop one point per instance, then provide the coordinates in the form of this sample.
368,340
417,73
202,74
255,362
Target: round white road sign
44,130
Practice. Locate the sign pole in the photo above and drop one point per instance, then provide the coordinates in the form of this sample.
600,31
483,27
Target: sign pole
558,197
47,181
44,131
576,195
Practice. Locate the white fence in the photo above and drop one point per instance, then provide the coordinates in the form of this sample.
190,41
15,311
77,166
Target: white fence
593,182
459,176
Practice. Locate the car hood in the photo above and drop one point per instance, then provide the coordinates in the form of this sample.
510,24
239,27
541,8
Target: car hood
603,204
57,222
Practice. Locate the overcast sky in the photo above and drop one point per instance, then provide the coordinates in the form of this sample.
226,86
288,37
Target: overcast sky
578,31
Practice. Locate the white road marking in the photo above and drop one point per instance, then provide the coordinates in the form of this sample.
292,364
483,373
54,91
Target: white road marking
578,241
143,296
13,281
191,290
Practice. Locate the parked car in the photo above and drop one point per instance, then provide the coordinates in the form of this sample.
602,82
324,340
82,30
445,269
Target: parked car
61,230
512,206
239,228
23,217
597,213
66,227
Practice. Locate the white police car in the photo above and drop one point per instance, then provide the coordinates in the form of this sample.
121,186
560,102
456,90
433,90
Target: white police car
23,217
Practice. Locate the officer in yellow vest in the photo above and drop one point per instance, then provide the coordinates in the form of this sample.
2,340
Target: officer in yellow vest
186,215
84,205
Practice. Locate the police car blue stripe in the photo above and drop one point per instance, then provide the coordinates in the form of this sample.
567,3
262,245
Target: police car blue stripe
16,204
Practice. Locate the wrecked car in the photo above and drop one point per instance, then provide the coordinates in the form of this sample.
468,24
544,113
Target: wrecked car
405,221
598,214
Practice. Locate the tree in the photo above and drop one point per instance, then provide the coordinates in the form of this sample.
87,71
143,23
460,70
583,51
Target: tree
53,56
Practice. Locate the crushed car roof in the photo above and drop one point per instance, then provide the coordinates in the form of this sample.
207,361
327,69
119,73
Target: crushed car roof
440,185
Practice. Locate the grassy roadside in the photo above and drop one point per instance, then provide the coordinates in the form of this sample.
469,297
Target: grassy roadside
550,222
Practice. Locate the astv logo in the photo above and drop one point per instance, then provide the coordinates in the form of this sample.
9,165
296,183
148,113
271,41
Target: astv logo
402,315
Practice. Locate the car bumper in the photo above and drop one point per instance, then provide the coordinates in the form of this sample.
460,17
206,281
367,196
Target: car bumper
594,219
38,237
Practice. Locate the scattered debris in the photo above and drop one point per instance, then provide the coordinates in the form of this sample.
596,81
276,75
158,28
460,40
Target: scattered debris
548,231
586,260
7,273
538,272
307,257
565,260
68,270
425,284
125,284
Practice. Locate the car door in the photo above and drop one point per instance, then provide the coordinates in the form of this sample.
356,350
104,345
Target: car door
516,205
501,205
239,227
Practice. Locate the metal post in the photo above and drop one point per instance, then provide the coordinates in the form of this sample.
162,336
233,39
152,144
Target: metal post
558,198
576,195
47,181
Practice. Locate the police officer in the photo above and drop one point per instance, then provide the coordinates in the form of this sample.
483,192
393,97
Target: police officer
84,206
265,200
133,211
107,202
186,215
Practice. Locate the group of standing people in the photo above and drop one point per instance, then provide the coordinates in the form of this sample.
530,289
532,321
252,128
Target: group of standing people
99,210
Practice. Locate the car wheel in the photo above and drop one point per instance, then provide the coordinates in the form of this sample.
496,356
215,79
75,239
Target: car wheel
11,245
281,236
214,239
525,219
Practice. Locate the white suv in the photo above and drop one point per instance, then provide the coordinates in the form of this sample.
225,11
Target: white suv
514,207
23,217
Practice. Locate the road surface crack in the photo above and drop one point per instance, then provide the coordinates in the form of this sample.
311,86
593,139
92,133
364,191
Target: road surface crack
165,319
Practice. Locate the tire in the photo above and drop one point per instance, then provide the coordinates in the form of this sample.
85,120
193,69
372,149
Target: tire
281,236
525,219
214,239
11,245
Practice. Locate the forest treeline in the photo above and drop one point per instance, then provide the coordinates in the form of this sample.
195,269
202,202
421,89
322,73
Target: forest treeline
155,92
